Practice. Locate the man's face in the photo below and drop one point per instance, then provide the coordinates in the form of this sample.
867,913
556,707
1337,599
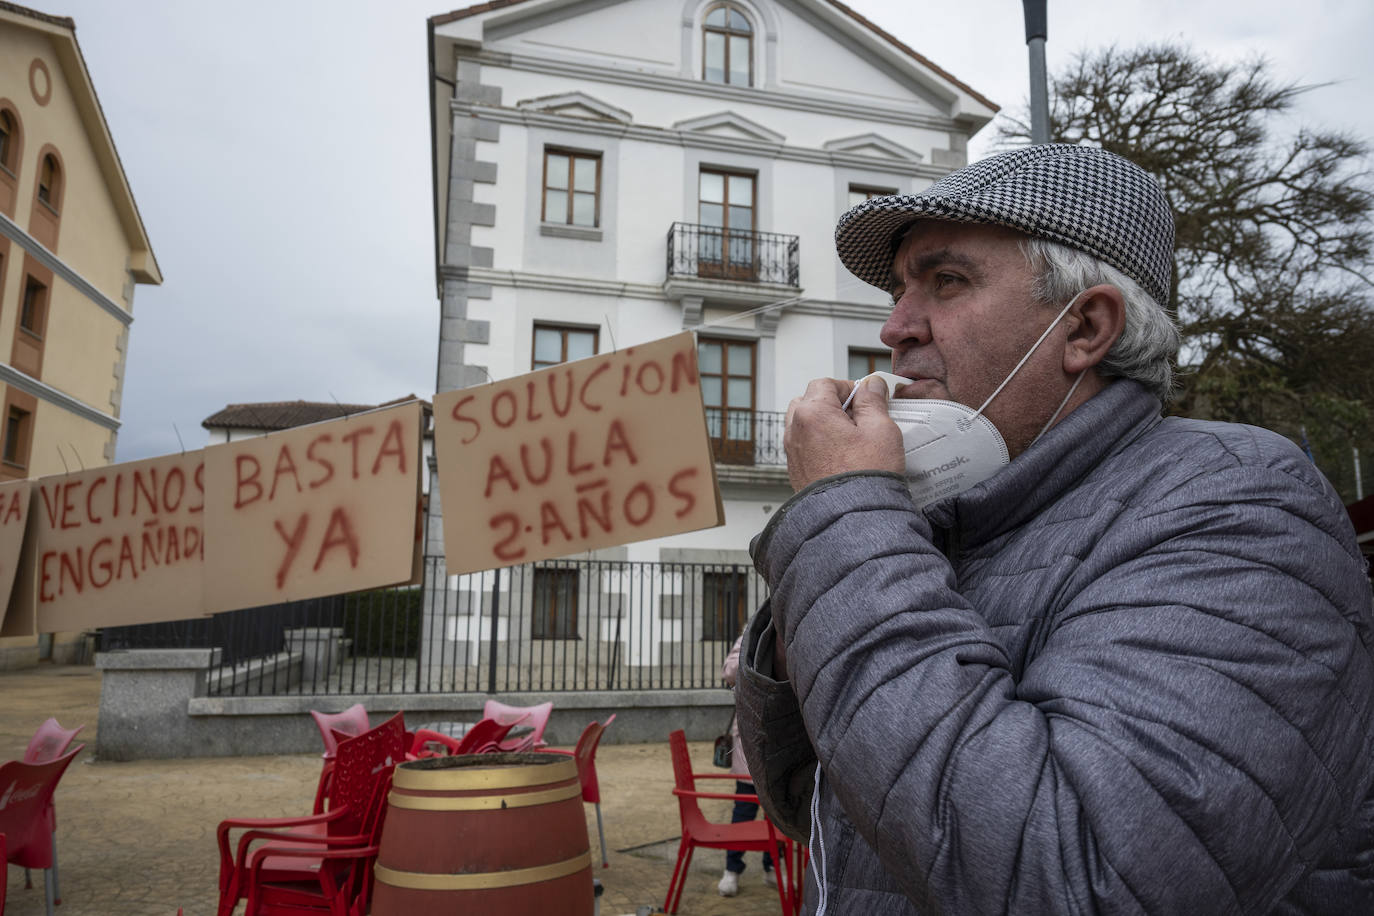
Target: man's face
963,316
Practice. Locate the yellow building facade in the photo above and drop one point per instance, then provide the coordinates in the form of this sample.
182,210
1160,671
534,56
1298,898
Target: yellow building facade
72,249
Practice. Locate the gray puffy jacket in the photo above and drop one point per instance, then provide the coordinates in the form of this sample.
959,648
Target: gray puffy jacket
1131,673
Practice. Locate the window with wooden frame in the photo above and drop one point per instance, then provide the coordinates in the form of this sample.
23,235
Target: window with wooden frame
725,212
726,371
50,182
727,46
18,426
32,306
724,603
9,141
572,188
555,604
866,362
554,344
859,193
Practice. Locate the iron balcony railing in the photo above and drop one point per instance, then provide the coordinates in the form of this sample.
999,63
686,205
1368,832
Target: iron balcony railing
559,625
746,437
716,253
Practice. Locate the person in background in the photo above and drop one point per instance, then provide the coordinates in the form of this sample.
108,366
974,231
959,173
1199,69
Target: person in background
744,785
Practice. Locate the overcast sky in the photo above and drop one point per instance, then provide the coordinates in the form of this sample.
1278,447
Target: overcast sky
279,154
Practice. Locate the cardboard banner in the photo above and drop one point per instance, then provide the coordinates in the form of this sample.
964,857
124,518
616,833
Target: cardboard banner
121,544
313,511
14,516
602,451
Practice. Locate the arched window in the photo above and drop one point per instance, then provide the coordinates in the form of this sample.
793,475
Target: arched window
727,46
50,181
9,141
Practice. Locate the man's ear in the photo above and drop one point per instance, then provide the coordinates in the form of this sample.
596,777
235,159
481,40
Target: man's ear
1095,323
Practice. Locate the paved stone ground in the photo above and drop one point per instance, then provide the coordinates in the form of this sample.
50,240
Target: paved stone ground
138,838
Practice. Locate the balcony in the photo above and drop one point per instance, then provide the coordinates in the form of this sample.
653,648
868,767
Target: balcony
732,255
751,438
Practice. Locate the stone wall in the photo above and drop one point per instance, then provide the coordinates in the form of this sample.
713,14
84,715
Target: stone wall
154,703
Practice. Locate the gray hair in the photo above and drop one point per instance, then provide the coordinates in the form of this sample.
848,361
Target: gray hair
1150,340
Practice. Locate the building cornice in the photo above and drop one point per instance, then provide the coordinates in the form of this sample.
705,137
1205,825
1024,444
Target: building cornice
13,231
44,392
527,280
776,98
832,308
734,292
688,138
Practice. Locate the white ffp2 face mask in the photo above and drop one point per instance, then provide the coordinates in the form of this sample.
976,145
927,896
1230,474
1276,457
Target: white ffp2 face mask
950,447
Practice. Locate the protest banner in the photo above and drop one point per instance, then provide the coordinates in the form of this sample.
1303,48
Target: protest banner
313,511
14,517
121,544
593,453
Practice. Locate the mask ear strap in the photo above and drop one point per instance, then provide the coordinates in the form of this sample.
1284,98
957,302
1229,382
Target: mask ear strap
1054,416
1062,312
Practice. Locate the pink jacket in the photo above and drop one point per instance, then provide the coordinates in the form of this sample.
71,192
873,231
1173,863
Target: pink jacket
728,672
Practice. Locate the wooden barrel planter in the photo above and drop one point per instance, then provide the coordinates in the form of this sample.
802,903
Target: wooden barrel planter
485,834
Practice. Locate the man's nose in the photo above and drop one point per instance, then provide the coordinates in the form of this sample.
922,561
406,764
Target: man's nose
906,325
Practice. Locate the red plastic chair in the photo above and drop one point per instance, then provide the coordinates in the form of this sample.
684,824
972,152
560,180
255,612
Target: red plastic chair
352,721
342,882
749,836
585,755
484,737
360,763
538,720
26,791
47,744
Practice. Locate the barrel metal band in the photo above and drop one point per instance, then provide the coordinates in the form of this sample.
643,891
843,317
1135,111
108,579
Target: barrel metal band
494,777
482,880
483,802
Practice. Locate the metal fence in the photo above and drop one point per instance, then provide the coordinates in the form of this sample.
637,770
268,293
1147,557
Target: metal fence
714,252
563,625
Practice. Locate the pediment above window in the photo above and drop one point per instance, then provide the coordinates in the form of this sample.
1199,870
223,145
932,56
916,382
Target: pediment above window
576,105
729,124
875,145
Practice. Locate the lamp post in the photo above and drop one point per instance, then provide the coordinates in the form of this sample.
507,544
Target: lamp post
1039,88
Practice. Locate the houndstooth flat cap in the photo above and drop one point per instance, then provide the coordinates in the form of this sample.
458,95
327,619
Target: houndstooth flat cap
1080,196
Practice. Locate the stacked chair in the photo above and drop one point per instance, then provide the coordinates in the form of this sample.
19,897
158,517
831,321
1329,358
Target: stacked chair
482,738
28,820
352,721
321,863
537,717
47,744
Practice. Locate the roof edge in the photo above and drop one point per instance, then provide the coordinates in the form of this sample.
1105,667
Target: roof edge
911,52
61,30
474,10
64,22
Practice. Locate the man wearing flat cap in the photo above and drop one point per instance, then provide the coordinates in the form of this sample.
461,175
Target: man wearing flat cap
1033,648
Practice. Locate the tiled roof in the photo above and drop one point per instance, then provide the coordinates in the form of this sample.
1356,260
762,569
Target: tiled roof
270,415
490,5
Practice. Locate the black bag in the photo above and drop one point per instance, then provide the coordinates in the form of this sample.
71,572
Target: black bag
725,745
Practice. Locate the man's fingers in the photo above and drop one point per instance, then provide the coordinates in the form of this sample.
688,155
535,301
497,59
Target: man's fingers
819,392
870,401
827,389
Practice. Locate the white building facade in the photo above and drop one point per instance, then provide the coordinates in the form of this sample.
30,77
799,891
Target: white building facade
608,173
